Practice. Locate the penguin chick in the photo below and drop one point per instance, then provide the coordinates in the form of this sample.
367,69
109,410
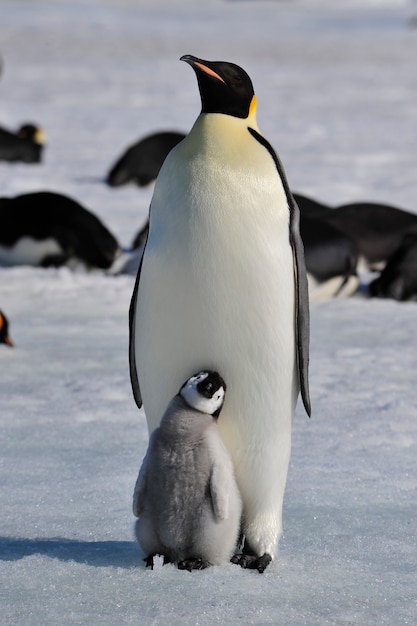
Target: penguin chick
4,330
186,496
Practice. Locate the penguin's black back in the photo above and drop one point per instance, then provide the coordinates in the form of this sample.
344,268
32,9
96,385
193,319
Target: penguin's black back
328,252
143,160
309,207
20,146
398,279
377,229
44,215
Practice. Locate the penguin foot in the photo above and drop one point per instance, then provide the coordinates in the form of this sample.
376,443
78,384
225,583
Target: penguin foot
193,563
252,561
149,560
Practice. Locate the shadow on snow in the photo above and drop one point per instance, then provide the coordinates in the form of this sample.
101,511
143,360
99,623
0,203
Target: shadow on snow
96,553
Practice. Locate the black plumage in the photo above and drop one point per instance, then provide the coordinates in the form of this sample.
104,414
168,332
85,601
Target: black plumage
4,330
47,215
141,162
26,145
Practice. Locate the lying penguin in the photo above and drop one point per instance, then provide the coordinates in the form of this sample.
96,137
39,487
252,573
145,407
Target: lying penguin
186,496
141,162
24,145
4,330
49,229
398,279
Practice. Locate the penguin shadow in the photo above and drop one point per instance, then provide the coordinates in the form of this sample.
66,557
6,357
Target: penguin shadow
124,554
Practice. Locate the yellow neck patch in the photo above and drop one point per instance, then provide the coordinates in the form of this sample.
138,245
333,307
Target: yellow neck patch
252,108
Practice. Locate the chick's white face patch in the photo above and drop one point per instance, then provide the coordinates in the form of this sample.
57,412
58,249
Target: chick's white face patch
198,401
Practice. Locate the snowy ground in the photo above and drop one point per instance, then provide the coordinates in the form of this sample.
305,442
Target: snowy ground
336,88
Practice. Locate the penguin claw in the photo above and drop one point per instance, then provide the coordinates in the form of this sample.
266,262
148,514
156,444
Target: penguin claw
149,560
251,561
192,563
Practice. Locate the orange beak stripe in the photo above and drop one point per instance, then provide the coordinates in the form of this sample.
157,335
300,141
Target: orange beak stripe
210,72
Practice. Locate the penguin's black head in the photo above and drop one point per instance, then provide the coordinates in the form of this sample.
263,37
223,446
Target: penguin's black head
32,133
205,392
224,87
4,330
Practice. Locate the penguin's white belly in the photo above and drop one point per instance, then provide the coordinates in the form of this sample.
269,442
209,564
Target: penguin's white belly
217,291
29,251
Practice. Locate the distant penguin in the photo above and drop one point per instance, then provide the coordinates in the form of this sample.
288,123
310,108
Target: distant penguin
26,145
142,161
50,229
310,207
4,330
186,497
331,256
223,282
398,279
377,229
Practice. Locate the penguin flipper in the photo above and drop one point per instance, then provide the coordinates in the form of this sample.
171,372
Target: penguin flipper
220,478
302,303
138,496
140,493
132,357
219,492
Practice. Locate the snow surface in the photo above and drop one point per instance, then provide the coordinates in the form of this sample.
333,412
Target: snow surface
336,86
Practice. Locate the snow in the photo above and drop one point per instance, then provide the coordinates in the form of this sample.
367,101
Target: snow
336,87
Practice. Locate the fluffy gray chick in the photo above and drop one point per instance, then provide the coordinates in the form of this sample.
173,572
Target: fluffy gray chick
186,496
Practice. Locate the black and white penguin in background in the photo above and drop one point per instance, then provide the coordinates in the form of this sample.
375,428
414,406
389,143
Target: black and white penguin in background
4,330
141,162
186,496
50,229
222,283
398,279
25,145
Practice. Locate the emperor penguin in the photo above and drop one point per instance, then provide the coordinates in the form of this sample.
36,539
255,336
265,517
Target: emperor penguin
4,330
141,162
186,496
222,284
45,228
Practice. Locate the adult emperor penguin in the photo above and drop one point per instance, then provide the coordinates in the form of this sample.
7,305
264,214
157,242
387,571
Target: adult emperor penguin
222,284
186,496
4,330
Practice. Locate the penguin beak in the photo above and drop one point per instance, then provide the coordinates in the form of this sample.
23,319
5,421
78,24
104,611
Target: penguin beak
201,65
8,341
